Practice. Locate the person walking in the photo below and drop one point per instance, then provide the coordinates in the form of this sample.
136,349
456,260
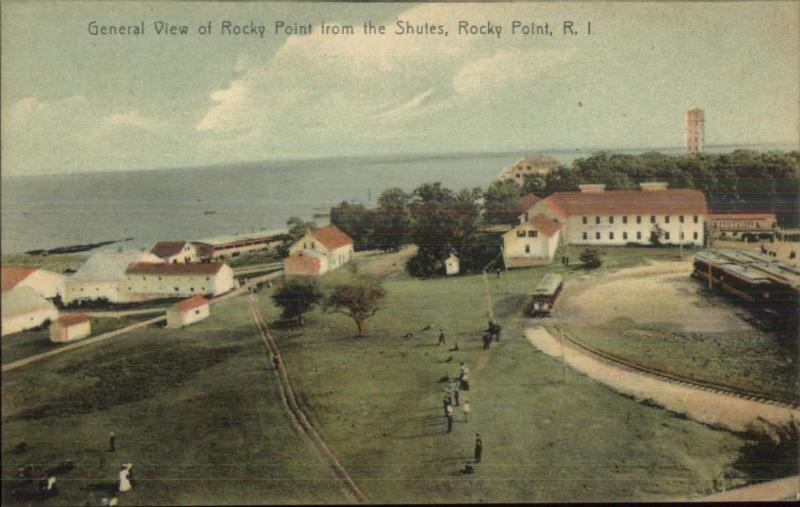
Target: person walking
478,448
112,441
446,403
466,409
455,396
497,329
449,418
498,272
465,382
441,337
487,341
124,483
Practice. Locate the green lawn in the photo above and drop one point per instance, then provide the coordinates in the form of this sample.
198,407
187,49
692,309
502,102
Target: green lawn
201,419
747,359
54,262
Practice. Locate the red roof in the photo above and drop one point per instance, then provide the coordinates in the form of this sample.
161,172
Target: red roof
164,268
743,216
168,248
191,303
548,226
332,237
526,201
12,275
627,202
70,319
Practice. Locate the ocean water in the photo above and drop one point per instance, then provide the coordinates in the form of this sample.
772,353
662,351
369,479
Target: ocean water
50,211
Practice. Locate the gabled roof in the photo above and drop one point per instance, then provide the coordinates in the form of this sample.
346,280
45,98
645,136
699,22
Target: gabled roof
165,268
525,202
23,300
621,202
546,225
70,319
12,275
168,248
190,304
109,265
332,237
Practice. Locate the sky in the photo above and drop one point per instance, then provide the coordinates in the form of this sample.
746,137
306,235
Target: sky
73,102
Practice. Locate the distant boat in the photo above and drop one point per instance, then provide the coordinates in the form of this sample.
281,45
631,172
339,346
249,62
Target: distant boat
210,212
321,212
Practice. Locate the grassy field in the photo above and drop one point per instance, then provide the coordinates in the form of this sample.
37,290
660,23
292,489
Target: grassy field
751,360
201,419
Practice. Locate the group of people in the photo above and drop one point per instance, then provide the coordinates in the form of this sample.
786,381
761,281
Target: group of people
451,397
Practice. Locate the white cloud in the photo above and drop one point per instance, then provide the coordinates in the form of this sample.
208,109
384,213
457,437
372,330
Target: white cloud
131,118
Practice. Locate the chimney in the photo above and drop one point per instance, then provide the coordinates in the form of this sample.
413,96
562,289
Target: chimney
592,188
653,185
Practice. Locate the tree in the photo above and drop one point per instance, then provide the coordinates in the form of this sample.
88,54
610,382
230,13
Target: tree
356,221
392,220
297,229
591,258
359,300
296,298
500,201
655,235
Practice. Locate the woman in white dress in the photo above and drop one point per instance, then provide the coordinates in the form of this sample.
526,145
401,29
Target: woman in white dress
124,483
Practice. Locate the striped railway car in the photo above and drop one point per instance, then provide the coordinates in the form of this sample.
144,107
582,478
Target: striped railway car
546,294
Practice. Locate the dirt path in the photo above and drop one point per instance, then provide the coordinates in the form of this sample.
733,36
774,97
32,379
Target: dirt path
701,405
782,489
382,264
297,415
79,344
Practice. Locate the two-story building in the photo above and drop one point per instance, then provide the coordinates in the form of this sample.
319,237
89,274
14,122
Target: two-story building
593,216
329,242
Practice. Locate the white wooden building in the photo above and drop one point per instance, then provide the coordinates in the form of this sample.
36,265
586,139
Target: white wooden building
99,278
146,280
331,242
45,283
23,309
452,265
188,312
176,251
594,216
532,164
70,326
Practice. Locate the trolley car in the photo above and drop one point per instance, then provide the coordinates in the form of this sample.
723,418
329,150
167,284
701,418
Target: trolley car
546,294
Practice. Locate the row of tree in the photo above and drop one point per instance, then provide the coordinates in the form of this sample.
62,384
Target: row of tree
743,180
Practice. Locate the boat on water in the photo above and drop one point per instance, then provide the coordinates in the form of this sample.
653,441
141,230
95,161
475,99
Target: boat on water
211,212
321,212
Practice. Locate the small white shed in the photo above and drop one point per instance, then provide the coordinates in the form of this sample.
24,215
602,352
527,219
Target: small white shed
188,312
69,327
452,265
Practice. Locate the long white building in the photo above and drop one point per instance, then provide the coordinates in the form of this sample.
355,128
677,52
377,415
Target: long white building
146,280
99,278
597,217
45,283
24,308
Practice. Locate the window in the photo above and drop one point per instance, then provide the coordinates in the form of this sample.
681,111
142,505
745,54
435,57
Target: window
597,220
694,235
520,234
681,235
666,235
197,312
652,219
176,289
638,234
533,234
680,218
305,245
696,219
585,220
624,235
191,289
208,278
666,219
625,219
585,236
638,219
610,235
527,249
611,220
526,216
313,245
596,235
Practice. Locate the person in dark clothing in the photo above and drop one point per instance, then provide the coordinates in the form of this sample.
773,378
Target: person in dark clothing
446,403
112,441
275,361
441,337
449,423
455,396
487,340
498,272
478,448
497,329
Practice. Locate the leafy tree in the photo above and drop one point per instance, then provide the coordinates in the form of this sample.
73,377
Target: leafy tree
359,300
356,221
297,228
500,201
392,220
296,298
655,235
591,258
535,183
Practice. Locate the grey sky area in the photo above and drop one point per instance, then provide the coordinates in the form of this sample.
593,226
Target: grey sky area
74,102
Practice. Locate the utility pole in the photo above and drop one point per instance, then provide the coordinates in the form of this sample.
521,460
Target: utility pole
488,295
680,237
563,358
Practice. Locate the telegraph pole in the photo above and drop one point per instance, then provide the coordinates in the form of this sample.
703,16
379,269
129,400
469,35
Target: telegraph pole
488,295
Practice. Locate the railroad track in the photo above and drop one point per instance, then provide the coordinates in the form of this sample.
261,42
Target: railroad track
675,379
298,417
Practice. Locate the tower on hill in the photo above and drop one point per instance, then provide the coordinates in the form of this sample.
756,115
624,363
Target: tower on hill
695,118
